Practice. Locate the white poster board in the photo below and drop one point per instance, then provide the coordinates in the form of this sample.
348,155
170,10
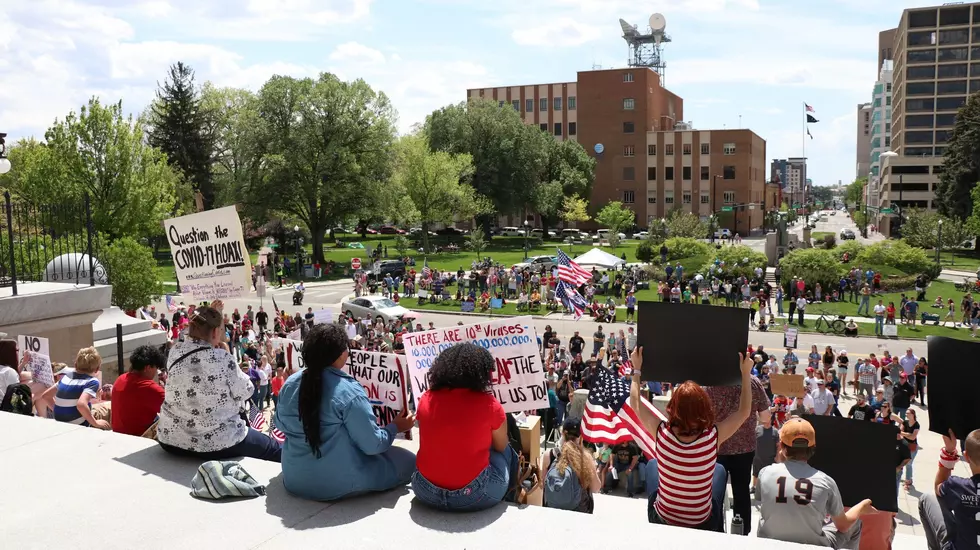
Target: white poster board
34,344
294,352
209,254
295,335
518,381
790,337
383,378
890,330
324,317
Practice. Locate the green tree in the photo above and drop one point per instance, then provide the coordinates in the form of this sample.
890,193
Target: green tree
433,181
328,149
402,245
238,148
854,195
132,273
921,229
575,209
180,126
569,173
615,216
476,242
961,163
822,194
686,224
738,261
813,265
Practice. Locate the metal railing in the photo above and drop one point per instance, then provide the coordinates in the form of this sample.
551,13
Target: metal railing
49,243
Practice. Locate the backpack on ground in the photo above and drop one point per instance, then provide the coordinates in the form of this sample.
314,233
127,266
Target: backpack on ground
18,400
562,489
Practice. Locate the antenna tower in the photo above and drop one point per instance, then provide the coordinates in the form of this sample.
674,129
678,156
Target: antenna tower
646,49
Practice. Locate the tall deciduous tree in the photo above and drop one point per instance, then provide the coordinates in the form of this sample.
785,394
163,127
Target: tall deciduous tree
434,182
615,216
961,163
238,147
854,196
570,172
180,126
328,150
686,224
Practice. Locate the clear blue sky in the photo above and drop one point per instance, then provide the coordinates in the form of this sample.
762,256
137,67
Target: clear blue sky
760,59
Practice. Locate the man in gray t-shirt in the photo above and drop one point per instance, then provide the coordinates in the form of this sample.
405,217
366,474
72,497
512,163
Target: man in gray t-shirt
797,498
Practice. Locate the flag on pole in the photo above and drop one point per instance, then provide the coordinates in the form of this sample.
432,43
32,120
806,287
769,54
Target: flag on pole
571,272
275,305
608,417
171,306
810,119
426,272
808,133
808,108
256,419
274,432
571,299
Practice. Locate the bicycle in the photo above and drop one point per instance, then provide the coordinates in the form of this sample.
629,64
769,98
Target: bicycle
826,323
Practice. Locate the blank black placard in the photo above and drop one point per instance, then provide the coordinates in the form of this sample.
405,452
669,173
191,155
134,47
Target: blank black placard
692,342
840,441
952,385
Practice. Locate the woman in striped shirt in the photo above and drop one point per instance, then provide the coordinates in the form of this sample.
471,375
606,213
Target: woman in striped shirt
686,487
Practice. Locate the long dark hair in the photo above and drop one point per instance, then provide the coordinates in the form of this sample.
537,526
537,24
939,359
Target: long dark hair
321,348
463,366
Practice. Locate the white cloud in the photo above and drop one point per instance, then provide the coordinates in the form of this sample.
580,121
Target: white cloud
775,70
355,52
560,32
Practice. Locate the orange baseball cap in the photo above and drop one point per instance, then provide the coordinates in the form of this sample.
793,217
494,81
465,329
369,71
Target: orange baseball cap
798,433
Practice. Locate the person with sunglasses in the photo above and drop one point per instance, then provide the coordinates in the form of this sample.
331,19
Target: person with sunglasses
886,416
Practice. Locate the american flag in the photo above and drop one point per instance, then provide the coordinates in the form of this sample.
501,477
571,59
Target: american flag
256,419
808,108
274,432
171,306
608,416
571,298
571,272
626,368
426,272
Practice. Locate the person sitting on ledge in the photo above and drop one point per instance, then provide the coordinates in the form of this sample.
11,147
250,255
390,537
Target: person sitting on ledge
851,328
75,393
949,511
572,476
334,447
136,396
205,393
684,468
465,460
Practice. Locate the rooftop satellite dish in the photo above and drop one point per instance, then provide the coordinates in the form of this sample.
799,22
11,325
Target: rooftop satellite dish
658,22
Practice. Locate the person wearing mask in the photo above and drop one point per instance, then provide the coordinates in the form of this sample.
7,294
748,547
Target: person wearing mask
693,488
136,395
202,375
334,447
949,511
465,461
572,476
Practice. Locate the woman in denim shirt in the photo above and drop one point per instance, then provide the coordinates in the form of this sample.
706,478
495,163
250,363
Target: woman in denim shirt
334,447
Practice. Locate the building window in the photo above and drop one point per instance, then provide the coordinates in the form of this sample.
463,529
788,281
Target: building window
628,151
628,173
669,149
627,77
544,126
516,104
557,102
954,37
922,38
558,128
669,173
501,103
652,199
705,149
950,103
668,197
728,173
571,103
627,127
705,199
951,87
729,197
704,173
543,104
686,148
729,149
629,197
686,173
628,104
921,56
528,105
686,197
953,70
954,54
572,129
920,72
652,150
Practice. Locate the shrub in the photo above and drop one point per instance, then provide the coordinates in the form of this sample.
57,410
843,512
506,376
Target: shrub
813,265
738,261
898,283
130,267
829,241
897,254
645,251
852,248
683,247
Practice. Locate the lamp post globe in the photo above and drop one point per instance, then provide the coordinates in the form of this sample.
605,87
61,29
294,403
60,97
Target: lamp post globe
4,166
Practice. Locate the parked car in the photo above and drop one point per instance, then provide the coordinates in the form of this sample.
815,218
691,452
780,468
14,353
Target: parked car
641,235
374,307
574,234
723,234
539,233
847,235
395,268
391,230
511,232
417,232
603,234
535,263
449,231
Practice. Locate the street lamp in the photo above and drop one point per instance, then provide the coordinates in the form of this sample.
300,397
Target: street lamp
939,243
4,162
527,231
299,257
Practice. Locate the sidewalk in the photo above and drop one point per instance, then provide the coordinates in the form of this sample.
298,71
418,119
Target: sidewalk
310,284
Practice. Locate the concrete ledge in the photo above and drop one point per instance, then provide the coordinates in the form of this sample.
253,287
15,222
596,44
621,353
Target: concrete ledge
37,302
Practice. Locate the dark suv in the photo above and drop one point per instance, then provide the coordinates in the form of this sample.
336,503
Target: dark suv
395,268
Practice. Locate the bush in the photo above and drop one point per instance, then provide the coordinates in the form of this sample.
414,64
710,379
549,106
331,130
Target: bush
852,248
738,261
897,254
813,265
829,241
130,267
645,251
898,283
684,247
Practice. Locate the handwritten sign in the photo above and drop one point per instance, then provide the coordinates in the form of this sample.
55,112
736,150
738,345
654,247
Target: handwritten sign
383,378
34,344
294,352
789,385
209,254
518,380
790,337
324,316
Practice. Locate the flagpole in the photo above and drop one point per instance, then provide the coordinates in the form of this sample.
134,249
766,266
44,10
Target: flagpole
806,211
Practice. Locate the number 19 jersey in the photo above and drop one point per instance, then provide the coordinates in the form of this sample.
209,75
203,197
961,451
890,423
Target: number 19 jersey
796,500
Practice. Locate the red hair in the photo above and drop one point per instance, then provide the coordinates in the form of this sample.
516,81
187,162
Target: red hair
690,411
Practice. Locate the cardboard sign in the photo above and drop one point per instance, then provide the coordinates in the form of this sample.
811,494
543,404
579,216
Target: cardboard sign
209,254
890,331
790,337
952,387
294,352
34,344
789,385
383,378
518,379
839,441
295,335
666,331
324,316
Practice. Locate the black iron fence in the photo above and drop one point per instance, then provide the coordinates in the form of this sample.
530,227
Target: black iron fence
49,243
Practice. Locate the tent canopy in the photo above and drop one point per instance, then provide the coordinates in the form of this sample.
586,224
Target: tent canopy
599,258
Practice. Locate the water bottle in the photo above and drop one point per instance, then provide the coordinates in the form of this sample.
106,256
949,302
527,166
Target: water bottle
737,525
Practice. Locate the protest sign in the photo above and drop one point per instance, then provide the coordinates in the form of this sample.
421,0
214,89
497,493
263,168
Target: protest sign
324,316
790,337
34,344
890,331
351,330
295,335
518,380
789,385
383,378
294,351
952,387
209,254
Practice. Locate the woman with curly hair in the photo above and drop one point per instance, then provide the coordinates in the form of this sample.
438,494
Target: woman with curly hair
685,484
334,447
572,477
465,459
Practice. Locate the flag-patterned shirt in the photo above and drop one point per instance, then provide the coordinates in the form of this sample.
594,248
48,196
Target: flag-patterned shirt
686,471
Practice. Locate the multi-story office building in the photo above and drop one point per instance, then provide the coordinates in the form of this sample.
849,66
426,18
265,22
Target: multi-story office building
628,122
881,131
937,65
863,149
791,173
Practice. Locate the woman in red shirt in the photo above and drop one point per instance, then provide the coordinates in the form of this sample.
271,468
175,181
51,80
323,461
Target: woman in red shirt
685,484
465,459
276,383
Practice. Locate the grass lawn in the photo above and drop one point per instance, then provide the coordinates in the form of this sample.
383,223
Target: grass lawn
904,332
937,288
452,306
960,260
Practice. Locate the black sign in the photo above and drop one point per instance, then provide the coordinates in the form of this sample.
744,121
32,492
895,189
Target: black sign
692,342
953,381
840,441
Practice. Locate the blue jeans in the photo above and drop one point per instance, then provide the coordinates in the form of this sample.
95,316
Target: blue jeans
255,445
719,484
900,411
779,307
908,467
486,491
632,479
865,304
879,325
560,412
